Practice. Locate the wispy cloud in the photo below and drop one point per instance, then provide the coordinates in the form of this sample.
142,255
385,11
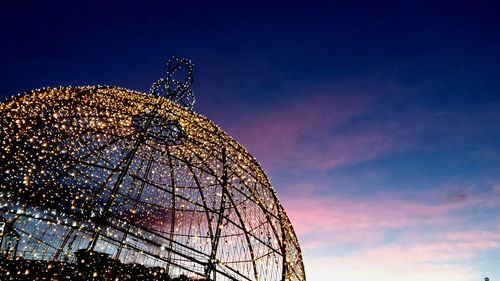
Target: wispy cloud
446,257
338,126
343,214
496,188
392,235
310,135
383,212
415,262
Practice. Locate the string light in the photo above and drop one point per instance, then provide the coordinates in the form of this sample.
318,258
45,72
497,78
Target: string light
106,182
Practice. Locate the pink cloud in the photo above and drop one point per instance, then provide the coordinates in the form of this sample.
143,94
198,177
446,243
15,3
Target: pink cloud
496,188
336,220
433,238
376,269
335,214
313,135
473,238
300,134
445,256
433,260
341,126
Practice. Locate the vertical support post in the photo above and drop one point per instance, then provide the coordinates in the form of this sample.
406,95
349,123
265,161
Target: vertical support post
215,243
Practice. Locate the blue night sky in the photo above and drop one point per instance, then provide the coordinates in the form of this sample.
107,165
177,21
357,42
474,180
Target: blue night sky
378,122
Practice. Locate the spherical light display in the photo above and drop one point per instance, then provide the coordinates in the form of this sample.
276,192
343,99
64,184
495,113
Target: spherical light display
113,180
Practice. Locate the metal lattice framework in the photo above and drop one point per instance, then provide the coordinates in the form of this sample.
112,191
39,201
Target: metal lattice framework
140,178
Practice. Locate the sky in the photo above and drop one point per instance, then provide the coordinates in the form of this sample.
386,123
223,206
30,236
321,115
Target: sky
377,122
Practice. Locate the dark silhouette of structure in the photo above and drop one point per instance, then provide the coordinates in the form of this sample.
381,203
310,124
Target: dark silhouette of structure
87,266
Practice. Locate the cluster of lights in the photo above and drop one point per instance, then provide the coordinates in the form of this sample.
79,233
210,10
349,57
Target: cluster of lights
139,182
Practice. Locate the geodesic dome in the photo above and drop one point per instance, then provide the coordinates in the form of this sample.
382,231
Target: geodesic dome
136,179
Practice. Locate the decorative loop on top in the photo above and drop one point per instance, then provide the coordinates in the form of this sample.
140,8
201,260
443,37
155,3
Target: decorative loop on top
177,85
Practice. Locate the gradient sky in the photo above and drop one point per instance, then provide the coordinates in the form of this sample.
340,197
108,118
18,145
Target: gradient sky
378,122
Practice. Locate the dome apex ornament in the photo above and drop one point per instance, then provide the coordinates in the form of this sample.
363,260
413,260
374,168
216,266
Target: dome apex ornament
176,86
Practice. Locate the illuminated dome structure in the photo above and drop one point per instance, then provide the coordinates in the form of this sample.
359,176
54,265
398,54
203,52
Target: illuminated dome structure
116,184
